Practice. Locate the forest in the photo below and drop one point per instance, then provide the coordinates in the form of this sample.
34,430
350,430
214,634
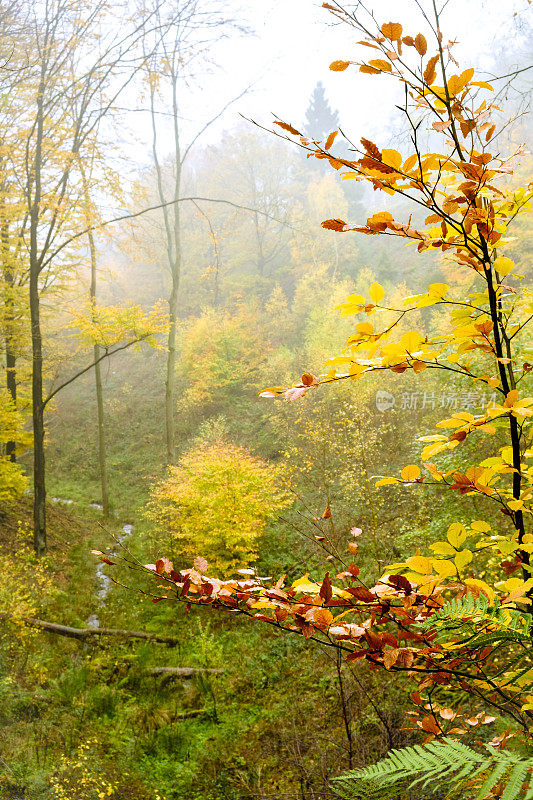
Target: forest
266,488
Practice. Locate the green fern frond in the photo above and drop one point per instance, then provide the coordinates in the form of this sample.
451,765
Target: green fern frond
450,765
494,621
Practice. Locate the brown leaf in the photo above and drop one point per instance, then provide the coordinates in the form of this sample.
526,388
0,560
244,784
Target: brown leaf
327,513
334,224
326,592
400,582
353,547
390,657
371,149
363,594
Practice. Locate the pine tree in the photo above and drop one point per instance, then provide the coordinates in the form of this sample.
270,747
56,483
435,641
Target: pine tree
320,120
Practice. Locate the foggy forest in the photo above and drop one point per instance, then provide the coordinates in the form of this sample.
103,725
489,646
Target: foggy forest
266,487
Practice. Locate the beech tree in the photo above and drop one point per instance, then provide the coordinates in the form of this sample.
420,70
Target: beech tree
456,619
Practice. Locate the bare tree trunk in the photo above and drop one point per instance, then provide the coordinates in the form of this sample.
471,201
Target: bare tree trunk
9,320
39,464
173,237
102,460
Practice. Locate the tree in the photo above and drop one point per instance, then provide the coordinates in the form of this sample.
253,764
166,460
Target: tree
320,120
218,499
71,86
186,30
457,620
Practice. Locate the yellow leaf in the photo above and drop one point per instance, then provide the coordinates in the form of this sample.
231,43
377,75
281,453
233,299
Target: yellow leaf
483,85
463,558
392,158
410,472
386,481
442,548
376,292
420,564
480,586
503,265
444,568
480,525
456,534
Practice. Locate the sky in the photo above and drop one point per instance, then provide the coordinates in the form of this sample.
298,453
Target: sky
294,41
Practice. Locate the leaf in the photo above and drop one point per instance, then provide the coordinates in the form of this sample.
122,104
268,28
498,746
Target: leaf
325,590
429,72
381,65
353,547
392,31
376,292
322,618
330,140
392,158
294,393
421,44
363,594
287,127
463,558
371,148
355,532
327,513
420,564
390,657
200,564
503,266
410,472
400,582
339,66
334,224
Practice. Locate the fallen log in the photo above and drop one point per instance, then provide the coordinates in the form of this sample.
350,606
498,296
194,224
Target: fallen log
184,673
83,634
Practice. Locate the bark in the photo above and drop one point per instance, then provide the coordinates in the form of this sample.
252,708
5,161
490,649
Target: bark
39,477
102,460
9,334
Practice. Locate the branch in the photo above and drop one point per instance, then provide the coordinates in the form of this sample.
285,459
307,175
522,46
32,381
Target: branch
135,214
106,354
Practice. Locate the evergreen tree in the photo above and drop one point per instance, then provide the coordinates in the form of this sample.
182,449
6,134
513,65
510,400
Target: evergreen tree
320,120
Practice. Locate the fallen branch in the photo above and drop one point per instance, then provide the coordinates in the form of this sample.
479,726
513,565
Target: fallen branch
82,634
185,673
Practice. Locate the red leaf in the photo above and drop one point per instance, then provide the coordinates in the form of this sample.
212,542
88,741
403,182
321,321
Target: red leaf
107,561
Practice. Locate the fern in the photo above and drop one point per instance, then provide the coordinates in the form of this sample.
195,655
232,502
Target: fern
449,765
478,624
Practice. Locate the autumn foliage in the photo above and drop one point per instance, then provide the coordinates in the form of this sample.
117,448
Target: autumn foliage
456,618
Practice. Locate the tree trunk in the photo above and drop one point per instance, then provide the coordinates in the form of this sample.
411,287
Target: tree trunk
102,460
9,320
39,464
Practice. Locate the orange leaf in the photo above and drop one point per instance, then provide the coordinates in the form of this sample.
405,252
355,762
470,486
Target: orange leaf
421,44
287,127
339,66
330,140
392,31
327,513
429,72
